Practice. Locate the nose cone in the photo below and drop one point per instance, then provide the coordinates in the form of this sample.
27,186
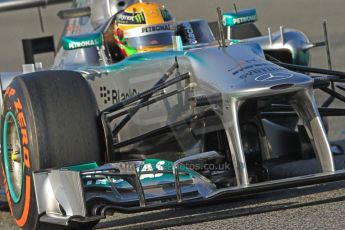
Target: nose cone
276,80
242,71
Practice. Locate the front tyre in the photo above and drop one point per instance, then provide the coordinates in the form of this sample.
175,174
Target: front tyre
49,119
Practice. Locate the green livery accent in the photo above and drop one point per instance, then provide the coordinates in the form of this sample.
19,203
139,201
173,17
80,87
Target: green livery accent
241,17
235,41
131,18
15,197
139,18
130,50
151,178
166,15
83,167
154,178
82,41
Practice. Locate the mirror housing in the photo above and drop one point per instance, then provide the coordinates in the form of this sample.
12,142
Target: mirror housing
82,41
240,17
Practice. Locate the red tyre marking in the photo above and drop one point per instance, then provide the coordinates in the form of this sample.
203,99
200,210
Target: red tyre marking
22,221
24,133
8,197
10,92
7,91
22,123
21,120
26,157
18,105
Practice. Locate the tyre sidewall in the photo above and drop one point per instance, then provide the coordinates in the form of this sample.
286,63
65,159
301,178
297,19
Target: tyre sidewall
25,210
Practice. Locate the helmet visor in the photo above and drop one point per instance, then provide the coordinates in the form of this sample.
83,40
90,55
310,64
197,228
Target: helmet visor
151,40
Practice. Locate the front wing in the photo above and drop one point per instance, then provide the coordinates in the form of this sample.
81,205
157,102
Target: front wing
66,196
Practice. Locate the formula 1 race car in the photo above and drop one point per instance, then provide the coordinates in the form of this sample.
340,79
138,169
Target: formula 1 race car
205,119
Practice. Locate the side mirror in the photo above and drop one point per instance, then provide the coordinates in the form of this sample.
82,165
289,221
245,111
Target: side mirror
240,17
82,41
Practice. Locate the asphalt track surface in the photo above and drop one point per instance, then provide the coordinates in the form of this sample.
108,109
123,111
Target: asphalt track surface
314,207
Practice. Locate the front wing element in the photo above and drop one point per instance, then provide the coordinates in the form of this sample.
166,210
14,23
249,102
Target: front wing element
65,196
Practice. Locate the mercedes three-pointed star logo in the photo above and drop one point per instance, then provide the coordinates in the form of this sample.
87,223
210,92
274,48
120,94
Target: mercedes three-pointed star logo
274,77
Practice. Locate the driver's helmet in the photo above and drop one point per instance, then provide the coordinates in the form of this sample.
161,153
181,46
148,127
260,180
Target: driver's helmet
143,27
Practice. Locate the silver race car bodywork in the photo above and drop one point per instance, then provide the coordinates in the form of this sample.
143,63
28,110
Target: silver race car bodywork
167,114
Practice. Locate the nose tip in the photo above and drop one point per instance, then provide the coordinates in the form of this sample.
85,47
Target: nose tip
282,86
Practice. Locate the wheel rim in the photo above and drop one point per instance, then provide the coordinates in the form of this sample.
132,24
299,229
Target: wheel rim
13,157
